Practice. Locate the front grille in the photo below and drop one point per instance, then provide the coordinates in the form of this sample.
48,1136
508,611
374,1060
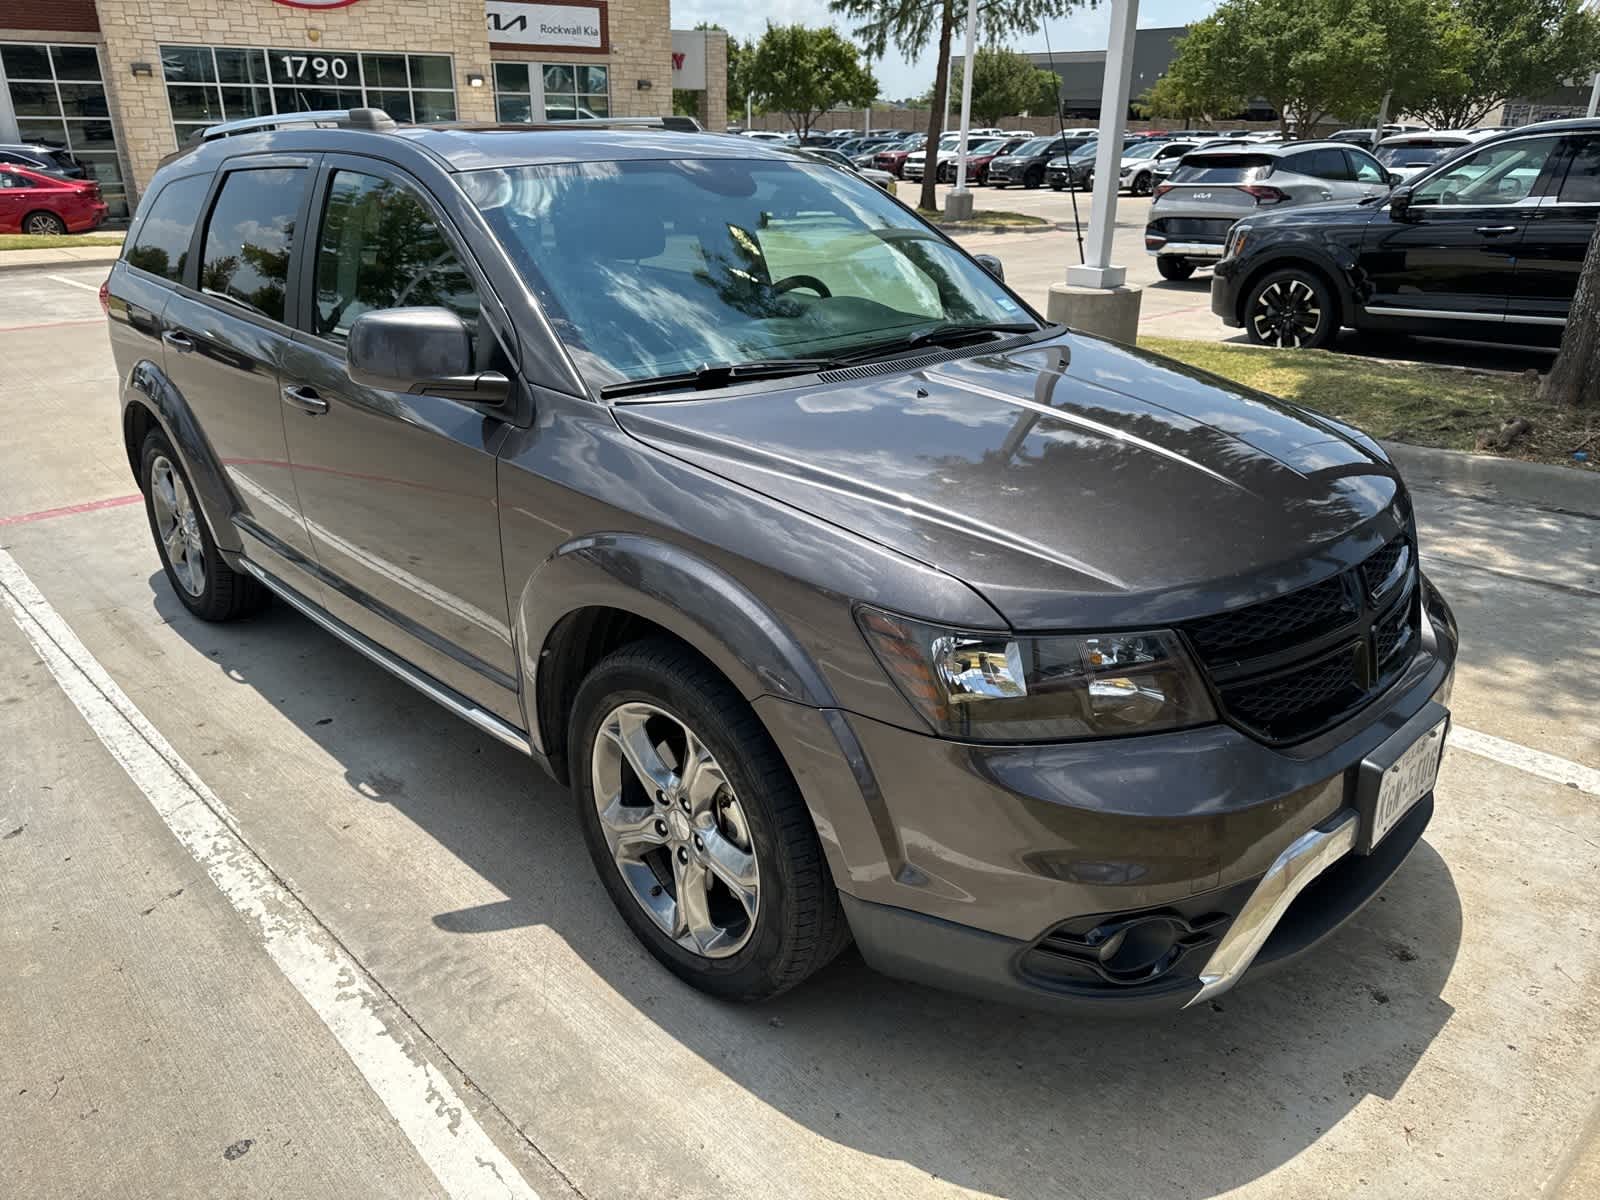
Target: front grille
1290,667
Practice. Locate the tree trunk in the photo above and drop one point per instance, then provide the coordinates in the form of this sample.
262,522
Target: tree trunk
941,82
1575,377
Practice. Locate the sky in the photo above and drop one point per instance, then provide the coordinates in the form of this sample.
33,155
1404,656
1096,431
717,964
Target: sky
1082,29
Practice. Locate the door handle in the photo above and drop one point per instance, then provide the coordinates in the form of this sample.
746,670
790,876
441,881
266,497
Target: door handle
1496,230
181,342
306,400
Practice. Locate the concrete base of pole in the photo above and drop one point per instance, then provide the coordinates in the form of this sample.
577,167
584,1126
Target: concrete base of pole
1110,312
958,205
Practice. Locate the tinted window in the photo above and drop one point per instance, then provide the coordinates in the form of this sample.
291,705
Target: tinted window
8,180
1036,146
1582,184
1414,154
1500,174
1365,169
1223,168
1319,164
162,244
250,237
380,248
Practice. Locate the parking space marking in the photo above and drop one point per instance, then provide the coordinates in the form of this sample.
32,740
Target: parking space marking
77,283
422,1101
1534,762
52,324
67,510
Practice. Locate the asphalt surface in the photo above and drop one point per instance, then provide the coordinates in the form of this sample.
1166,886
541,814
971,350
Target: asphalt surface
272,924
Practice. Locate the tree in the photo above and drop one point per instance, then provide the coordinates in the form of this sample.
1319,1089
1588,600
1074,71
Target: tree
1200,83
804,72
1490,51
909,24
1575,377
1005,84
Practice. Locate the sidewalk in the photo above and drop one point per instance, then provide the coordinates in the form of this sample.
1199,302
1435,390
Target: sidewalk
63,256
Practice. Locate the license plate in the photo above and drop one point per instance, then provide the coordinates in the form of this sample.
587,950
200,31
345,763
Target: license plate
1407,780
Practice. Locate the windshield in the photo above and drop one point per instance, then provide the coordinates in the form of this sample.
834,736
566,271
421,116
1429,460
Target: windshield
1084,151
1030,148
649,268
1142,150
1412,156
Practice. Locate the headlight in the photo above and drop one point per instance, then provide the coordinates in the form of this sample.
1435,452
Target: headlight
992,687
1237,236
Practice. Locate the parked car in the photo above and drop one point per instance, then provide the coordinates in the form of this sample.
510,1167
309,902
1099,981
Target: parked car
1163,168
1408,155
42,203
1365,137
764,135
893,158
1076,165
39,157
634,456
979,157
822,154
1026,164
1486,245
916,162
1211,189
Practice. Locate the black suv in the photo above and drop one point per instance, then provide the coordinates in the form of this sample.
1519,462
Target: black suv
848,596
1026,164
1487,244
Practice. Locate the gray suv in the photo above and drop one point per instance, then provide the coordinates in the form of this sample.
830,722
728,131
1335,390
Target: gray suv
1211,189
849,597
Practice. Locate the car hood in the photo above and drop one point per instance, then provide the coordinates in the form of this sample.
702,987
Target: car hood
1073,482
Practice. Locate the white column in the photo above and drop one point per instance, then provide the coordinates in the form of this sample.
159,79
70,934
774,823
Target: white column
966,99
1097,271
1594,96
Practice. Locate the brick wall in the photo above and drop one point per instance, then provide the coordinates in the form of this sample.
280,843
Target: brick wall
60,16
714,100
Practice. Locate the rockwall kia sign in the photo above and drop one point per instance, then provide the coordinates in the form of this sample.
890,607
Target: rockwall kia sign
579,26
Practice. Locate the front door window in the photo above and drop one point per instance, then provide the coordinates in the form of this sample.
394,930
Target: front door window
1497,175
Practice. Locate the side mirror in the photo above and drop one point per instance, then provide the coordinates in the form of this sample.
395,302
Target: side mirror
1396,179
424,351
1399,203
991,264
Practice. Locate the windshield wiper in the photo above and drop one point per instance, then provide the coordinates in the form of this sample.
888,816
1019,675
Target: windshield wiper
943,334
715,375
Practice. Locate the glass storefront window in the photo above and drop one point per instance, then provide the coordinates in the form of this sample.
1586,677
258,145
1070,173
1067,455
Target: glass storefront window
527,92
409,87
56,96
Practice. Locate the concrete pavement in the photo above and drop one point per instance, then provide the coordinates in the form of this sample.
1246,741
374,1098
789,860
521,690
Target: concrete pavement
1443,1045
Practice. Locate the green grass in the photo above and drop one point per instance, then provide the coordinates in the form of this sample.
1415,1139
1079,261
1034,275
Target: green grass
1401,402
28,241
986,216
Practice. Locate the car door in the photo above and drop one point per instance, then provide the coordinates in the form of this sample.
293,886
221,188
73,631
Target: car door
226,331
14,191
1557,238
399,490
1451,252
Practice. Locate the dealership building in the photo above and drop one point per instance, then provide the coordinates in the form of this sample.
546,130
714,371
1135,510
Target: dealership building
120,83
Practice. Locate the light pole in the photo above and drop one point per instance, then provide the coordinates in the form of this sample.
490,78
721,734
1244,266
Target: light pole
958,203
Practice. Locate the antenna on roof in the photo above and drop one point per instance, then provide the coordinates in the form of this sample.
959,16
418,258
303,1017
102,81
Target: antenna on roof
1061,125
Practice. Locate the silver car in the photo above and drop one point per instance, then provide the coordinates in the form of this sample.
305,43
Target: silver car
1410,154
1211,189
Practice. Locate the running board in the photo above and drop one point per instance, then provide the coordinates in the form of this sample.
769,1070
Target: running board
447,697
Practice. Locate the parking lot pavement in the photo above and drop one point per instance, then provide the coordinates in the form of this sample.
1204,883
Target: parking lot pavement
1445,1044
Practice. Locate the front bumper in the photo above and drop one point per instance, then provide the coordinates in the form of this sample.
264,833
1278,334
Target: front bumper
980,868
1225,292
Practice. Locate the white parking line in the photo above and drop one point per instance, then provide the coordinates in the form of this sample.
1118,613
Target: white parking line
421,1100
88,287
1523,758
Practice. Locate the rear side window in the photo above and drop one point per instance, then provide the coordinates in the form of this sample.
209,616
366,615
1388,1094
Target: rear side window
380,248
1320,164
1223,168
8,180
251,236
1582,184
162,244
1364,168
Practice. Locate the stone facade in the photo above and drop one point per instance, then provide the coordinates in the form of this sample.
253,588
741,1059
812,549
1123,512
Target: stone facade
714,100
640,58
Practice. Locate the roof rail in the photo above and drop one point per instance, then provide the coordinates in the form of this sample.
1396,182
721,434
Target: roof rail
373,119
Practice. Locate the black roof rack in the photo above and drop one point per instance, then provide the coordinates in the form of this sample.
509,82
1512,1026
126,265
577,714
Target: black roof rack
374,120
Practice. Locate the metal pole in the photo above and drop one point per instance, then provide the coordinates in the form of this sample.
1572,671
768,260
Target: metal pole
1097,271
749,99
1594,96
966,106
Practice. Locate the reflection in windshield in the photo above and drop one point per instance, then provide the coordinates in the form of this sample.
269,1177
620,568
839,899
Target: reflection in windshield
1410,156
655,267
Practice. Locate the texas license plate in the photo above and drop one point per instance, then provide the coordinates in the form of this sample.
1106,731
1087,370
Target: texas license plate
1406,778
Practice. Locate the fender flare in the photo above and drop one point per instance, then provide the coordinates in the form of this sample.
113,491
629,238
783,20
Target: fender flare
149,389
1337,266
688,596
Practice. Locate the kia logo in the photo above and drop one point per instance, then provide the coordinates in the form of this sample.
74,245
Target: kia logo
1202,195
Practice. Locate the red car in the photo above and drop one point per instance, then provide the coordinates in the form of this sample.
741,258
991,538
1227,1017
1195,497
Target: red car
978,164
893,159
37,202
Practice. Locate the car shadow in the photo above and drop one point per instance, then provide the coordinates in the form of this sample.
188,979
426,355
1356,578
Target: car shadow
1006,1101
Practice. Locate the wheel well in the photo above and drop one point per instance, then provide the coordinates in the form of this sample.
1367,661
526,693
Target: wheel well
1282,264
137,422
44,212
577,642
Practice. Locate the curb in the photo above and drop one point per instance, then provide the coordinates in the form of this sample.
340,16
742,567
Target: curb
88,256
970,228
1484,477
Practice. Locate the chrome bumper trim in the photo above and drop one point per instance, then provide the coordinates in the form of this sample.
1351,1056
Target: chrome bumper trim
1189,249
1307,857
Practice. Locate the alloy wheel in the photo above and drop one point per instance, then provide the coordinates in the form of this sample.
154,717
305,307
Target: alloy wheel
44,225
178,526
675,829
1286,313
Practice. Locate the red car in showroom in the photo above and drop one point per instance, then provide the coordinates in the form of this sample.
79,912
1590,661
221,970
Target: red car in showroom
38,202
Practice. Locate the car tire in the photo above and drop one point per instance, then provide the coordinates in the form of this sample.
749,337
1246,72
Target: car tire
44,224
1033,179
654,695
1173,267
204,584
1292,308
1141,184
